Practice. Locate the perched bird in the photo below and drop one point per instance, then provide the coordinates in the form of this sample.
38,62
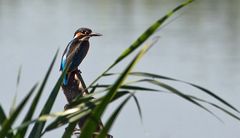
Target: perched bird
76,51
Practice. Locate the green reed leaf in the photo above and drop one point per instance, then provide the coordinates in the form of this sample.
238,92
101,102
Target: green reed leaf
21,132
9,121
38,127
143,37
112,118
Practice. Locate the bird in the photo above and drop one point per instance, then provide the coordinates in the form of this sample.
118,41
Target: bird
76,51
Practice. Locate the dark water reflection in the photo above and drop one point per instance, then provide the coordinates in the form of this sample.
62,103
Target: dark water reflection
201,45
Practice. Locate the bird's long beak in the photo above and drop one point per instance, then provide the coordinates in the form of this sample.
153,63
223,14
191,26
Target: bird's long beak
95,34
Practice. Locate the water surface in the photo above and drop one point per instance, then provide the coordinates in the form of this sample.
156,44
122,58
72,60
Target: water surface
200,45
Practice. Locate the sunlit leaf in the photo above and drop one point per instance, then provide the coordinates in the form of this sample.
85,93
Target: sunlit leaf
74,114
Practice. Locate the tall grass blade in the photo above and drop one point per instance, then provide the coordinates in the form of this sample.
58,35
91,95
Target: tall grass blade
17,85
19,76
21,132
150,75
128,87
138,107
86,109
3,116
59,115
143,37
216,106
69,130
78,112
184,96
81,109
65,118
9,121
112,118
90,124
38,126
120,94
58,122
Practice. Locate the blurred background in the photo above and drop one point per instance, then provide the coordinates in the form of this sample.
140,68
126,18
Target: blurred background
200,44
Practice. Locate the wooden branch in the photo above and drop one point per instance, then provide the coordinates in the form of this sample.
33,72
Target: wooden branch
76,87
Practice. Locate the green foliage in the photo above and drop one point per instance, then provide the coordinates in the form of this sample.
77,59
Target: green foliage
82,106
112,118
38,127
6,126
2,115
96,114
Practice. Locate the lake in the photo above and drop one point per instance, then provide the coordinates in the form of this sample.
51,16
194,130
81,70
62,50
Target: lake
200,44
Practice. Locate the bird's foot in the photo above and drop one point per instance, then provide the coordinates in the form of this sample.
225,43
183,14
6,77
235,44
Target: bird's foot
67,106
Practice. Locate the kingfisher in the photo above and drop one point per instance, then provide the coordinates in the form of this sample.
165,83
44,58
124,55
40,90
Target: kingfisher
76,51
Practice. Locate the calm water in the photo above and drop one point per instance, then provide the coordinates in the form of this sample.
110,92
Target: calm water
201,45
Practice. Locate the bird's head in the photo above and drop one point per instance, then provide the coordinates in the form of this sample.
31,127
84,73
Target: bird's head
84,34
